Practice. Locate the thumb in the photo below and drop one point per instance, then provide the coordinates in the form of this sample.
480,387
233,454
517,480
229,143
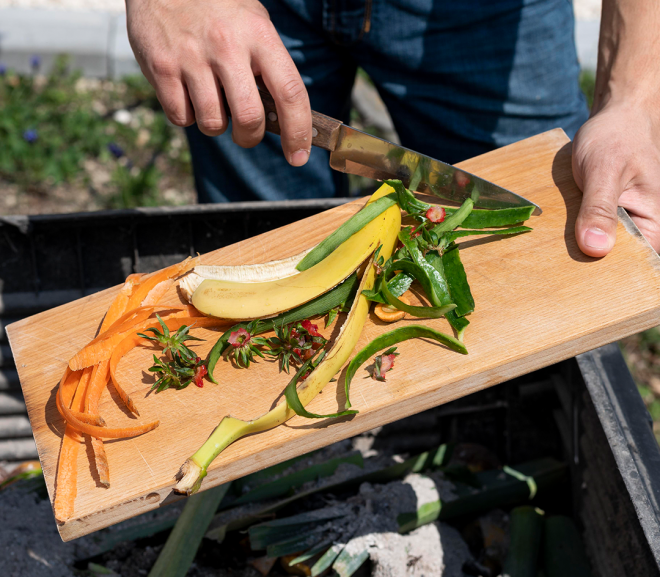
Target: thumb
595,228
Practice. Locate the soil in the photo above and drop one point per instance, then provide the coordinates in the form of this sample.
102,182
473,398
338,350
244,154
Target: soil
28,530
92,191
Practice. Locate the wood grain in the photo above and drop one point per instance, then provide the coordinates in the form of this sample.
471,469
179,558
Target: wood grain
539,300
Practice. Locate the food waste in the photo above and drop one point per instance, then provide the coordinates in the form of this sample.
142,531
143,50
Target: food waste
369,258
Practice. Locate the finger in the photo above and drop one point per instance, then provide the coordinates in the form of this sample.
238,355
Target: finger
595,228
171,93
649,228
204,91
291,100
247,112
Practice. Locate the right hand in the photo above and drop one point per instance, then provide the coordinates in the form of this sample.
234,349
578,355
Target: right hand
190,50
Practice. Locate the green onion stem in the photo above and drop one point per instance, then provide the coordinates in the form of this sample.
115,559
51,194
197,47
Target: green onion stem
357,222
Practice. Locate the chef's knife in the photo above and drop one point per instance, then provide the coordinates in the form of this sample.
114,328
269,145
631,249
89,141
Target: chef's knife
359,153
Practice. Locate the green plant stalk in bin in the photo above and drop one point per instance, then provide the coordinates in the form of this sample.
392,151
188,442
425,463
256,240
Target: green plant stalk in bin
181,547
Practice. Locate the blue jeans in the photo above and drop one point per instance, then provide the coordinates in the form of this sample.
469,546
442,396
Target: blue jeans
459,77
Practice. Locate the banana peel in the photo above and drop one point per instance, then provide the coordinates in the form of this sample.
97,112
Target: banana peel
258,300
274,270
231,429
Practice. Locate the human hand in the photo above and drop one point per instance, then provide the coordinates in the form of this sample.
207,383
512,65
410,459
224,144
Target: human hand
189,51
616,162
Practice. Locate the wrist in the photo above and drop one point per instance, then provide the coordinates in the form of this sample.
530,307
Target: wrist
626,86
628,53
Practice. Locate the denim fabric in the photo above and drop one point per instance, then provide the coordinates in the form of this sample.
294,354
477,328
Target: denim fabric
459,79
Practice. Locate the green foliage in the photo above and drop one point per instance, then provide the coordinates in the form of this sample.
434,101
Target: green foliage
51,126
642,354
46,130
588,85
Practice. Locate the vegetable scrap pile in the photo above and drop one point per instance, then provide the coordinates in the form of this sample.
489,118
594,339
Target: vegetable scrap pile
369,258
330,277
94,367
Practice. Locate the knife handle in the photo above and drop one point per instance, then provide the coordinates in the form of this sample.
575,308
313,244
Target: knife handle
325,130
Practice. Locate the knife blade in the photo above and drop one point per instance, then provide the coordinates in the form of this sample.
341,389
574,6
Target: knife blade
356,152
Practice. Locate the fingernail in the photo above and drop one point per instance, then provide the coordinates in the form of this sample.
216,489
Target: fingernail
299,157
596,238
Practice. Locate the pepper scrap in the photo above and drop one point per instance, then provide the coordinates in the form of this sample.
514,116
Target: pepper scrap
394,337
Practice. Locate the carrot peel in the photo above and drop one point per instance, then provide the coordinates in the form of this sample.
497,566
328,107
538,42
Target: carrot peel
103,432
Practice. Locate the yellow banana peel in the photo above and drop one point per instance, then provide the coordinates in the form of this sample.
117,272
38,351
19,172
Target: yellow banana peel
258,300
231,429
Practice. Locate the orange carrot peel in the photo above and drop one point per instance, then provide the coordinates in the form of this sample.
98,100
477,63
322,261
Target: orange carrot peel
67,469
88,372
102,432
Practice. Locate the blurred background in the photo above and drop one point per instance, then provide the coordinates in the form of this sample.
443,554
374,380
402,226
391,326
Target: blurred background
82,130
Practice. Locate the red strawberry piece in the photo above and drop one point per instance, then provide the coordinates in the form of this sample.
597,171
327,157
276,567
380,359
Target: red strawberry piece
200,372
239,338
310,328
387,363
461,179
436,214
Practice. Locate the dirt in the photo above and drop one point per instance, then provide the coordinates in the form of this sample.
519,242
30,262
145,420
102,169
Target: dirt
31,544
92,191
371,526
35,548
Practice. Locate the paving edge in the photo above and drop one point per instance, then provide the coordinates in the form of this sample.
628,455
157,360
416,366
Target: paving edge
97,41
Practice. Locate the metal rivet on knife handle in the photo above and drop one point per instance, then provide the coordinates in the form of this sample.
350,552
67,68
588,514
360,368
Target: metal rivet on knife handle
325,130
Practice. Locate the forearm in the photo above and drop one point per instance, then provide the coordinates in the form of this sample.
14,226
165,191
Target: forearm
628,54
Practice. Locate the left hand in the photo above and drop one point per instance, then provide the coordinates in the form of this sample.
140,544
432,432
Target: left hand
616,162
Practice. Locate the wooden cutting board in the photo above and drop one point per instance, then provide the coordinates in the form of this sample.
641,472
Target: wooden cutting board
539,300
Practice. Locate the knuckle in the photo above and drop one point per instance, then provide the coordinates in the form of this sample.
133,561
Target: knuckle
293,92
191,49
211,125
600,211
249,119
164,67
220,38
262,27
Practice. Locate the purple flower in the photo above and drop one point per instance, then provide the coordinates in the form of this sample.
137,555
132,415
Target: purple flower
3,69
30,135
115,150
35,62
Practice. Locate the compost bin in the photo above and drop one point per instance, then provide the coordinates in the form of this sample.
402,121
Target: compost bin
584,412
